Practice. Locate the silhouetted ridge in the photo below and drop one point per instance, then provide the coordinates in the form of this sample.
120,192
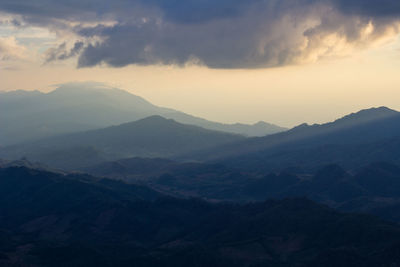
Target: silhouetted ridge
352,120
367,115
62,188
78,220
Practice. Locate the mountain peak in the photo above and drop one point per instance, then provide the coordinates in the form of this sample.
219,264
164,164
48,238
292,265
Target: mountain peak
102,94
301,126
155,120
79,86
370,114
382,110
261,123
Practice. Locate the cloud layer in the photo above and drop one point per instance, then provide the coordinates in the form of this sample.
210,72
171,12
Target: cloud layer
215,33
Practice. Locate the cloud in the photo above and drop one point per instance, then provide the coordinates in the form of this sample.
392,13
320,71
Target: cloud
216,33
10,49
374,8
61,52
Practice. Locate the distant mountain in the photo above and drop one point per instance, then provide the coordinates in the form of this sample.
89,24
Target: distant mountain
77,107
364,116
154,136
51,219
260,128
355,140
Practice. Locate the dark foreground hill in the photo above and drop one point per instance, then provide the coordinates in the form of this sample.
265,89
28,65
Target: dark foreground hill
154,136
49,219
374,188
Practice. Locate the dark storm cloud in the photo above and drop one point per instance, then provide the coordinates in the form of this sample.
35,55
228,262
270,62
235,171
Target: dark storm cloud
216,33
374,8
184,11
61,52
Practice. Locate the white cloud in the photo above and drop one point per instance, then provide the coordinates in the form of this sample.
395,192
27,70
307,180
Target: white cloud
10,49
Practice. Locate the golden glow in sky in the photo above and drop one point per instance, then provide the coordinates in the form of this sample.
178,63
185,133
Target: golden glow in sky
315,91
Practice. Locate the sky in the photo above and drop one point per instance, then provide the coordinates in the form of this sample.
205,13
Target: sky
281,61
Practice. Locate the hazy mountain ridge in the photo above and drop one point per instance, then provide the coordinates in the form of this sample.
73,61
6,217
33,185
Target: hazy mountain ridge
54,220
153,136
365,128
85,106
260,128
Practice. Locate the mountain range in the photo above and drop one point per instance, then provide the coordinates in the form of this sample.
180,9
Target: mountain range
92,177
352,141
73,107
